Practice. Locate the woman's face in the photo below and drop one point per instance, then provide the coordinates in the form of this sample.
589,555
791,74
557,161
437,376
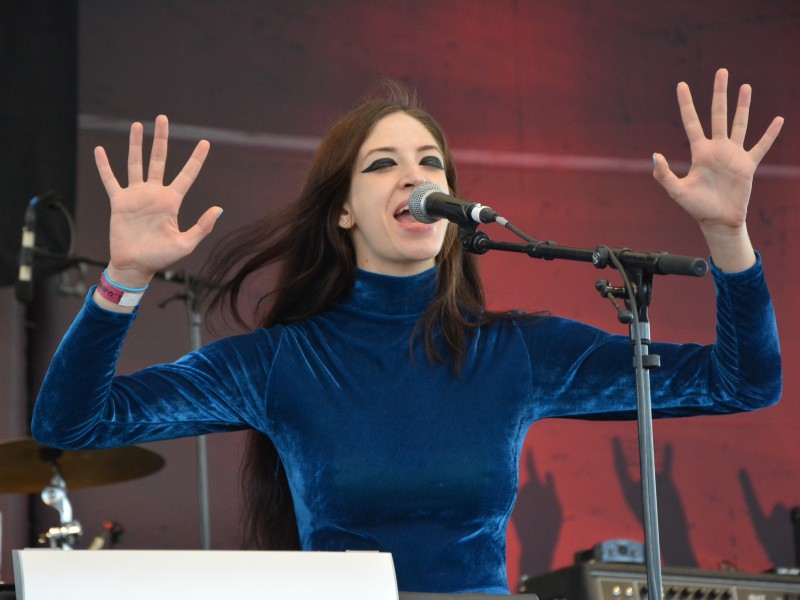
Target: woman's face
397,156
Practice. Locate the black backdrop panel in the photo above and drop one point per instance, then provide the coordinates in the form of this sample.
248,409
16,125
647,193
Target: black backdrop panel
38,117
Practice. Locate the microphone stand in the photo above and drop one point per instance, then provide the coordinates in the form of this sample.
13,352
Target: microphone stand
190,295
637,270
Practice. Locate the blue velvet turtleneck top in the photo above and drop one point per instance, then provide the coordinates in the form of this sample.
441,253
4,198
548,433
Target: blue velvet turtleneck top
392,454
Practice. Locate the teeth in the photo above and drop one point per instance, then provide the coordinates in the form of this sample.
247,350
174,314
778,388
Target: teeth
402,210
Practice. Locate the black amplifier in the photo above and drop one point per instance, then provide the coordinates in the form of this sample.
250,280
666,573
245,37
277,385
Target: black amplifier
619,581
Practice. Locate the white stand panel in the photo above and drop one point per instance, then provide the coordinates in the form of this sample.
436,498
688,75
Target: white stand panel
41,574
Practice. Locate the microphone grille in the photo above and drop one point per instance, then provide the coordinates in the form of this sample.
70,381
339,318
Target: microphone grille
416,203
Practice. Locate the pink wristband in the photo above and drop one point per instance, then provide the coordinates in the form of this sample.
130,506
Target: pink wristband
116,295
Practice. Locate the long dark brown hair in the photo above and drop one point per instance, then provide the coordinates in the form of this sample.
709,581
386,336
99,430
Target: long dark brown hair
316,267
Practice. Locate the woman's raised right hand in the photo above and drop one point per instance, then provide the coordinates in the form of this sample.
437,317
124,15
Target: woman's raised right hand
144,232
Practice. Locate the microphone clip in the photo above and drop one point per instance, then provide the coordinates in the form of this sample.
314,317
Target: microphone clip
611,293
472,240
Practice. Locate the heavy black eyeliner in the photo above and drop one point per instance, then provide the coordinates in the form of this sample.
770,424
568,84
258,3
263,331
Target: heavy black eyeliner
379,164
432,161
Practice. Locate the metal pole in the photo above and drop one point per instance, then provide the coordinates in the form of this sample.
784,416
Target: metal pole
202,451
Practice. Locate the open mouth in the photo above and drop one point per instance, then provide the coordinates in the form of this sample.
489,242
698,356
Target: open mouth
404,215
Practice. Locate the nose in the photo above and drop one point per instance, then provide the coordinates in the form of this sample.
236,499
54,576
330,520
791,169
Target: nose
413,178
414,184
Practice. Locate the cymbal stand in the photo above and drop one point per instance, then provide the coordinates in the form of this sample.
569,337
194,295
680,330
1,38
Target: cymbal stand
55,496
191,296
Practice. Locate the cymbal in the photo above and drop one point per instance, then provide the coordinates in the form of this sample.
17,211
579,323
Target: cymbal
26,466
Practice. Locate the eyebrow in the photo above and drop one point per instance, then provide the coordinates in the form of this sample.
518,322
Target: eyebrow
393,149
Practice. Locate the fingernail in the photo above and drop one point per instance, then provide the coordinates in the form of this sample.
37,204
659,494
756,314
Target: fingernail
219,214
655,160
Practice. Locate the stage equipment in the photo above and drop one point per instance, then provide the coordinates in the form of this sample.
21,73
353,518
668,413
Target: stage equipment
432,596
614,581
27,467
203,574
613,551
794,515
48,234
429,203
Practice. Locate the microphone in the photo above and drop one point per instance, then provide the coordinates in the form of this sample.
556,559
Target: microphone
429,203
23,290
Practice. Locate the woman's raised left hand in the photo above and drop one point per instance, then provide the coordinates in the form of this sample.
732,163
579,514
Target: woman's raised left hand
716,190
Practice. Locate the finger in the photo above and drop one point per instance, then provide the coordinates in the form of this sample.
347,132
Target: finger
691,123
191,169
739,125
158,155
135,154
195,234
719,105
662,173
758,151
110,182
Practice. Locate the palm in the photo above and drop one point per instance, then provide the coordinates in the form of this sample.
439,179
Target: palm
717,187
144,227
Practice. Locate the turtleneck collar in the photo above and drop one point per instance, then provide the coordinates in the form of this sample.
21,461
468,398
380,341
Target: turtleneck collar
390,295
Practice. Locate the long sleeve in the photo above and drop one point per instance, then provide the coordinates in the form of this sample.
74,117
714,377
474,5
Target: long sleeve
82,403
589,374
